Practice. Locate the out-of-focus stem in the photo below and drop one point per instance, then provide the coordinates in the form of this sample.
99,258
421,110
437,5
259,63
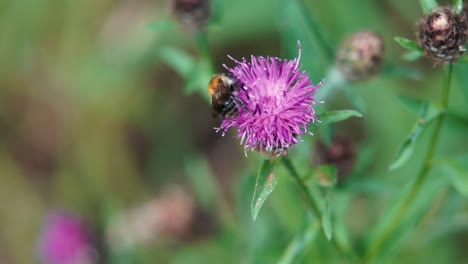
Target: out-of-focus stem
313,204
376,246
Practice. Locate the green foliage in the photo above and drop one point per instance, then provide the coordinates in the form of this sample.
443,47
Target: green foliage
297,23
337,116
408,44
428,113
202,179
327,224
458,4
264,186
457,172
428,5
93,122
301,241
461,78
325,176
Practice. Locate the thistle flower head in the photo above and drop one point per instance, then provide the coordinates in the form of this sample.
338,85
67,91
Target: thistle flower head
193,14
360,56
65,240
443,34
278,98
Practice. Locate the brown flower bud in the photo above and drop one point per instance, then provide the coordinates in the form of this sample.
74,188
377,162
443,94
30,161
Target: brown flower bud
443,34
193,14
341,153
360,56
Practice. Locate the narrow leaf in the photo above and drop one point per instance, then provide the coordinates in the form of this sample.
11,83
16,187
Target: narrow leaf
201,177
179,60
337,116
327,217
300,242
429,113
408,44
395,70
428,5
412,55
412,104
457,171
266,183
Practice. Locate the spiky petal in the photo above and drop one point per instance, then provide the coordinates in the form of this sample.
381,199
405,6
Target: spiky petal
278,99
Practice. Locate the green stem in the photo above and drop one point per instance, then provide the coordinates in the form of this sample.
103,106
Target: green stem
376,246
313,204
204,48
317,31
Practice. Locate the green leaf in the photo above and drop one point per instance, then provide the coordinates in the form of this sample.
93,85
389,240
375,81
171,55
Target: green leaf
395,70
196,73
428,5
412,217
198,79
337,116
266,183
412,55
179,60
457,171
202,179
327,217
301,241
325,176
412,104
408,44
429,113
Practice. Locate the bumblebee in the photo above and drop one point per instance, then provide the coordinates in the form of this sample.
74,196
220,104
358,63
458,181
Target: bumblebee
224,101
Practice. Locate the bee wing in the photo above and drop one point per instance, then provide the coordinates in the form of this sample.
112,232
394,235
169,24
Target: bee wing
216,107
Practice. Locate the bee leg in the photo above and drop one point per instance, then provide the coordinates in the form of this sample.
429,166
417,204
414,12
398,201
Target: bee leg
240,103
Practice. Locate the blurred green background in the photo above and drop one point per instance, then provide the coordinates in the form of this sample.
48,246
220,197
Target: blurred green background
95,120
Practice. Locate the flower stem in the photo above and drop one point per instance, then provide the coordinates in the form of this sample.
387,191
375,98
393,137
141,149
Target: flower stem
313,204
204,48
317,31
376,246
308,196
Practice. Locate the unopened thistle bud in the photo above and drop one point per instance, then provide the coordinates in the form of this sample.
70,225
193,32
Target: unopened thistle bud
443,34
360,56
342,153
193,14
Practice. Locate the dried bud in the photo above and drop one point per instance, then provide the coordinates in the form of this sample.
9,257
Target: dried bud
341,153
173,216
192,13
360,56
443,34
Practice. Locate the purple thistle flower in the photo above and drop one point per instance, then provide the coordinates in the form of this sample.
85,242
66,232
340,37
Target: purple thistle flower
278,100
65,240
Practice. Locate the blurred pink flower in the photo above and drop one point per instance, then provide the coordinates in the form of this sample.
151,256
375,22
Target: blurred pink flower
65,240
